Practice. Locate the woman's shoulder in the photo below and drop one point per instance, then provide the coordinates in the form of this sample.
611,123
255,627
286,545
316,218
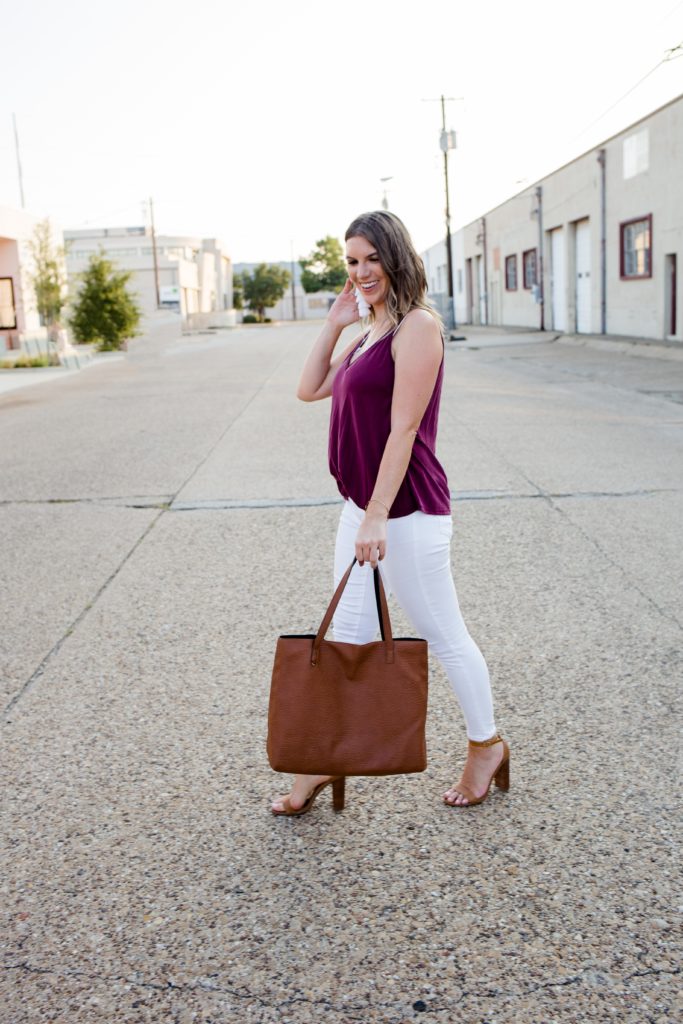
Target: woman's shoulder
420,315
418,324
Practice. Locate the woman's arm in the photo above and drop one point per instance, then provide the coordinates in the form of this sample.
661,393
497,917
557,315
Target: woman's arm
319,369
419,351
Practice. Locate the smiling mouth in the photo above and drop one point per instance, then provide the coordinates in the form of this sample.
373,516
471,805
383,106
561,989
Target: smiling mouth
367,287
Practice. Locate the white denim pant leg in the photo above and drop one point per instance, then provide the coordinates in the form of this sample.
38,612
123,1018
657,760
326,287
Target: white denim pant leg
417,570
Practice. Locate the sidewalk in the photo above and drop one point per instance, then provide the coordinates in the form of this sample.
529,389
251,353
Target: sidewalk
152,326
12,380
493,335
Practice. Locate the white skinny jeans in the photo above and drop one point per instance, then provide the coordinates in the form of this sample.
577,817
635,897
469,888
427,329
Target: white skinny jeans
417,570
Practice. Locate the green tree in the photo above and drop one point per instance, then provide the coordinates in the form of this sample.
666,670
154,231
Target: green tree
48,277
237,291
324,269
104,310
264,287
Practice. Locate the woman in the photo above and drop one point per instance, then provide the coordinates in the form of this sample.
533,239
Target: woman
385,388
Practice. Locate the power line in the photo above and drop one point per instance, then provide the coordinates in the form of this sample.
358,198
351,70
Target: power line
672,54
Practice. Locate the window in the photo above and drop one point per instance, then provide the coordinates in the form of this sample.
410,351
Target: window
529,268
636,152
636,248
118,254
8,318
511,273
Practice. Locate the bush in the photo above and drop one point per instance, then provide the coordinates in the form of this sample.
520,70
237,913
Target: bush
249,318
28,362
104,311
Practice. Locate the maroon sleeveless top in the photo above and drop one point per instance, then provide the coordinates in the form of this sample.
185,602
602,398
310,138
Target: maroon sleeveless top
360,423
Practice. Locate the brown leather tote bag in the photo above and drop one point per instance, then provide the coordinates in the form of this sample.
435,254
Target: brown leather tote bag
348,709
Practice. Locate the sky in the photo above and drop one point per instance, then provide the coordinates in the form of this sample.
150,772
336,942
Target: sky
270,124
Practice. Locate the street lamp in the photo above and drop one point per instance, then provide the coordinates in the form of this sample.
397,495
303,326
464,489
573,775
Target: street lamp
446,143
385,201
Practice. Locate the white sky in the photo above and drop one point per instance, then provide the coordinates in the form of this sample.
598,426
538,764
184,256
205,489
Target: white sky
269,124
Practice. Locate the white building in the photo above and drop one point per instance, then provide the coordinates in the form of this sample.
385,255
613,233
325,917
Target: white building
595,247
20,323
194,275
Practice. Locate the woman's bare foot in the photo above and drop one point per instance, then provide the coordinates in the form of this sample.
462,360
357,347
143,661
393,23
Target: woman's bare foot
300,792
480,767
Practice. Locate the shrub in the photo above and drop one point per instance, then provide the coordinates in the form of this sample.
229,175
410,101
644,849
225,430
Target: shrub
28,362
104,311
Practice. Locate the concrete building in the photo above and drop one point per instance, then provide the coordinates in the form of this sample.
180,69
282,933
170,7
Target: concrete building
595,247
20,323
195,274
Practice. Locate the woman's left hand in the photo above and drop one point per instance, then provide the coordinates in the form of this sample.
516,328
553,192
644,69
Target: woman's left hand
371,539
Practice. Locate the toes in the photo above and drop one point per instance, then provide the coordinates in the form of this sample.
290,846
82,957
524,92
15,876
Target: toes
455,799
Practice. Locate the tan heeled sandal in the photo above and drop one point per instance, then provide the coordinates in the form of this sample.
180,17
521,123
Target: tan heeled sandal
501,775
338,783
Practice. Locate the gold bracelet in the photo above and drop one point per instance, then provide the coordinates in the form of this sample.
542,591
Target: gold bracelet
379,503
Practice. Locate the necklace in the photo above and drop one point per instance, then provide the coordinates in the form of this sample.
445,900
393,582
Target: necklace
363,341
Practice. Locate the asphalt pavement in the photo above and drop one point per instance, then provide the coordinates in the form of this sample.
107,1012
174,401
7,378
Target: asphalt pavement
164,516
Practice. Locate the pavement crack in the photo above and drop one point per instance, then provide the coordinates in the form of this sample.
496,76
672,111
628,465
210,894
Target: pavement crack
398,1006
54,650
168,503
133,981
648,972
163,506
552,499
120,501
613,562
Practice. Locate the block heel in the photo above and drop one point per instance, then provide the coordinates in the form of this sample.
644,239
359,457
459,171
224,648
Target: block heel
501,775
339,793
338,783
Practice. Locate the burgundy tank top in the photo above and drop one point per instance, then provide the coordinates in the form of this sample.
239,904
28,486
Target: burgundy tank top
360,423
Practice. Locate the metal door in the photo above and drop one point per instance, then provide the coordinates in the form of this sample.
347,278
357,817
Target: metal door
558,280
583,277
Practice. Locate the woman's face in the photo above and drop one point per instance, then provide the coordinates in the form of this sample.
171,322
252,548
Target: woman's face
365,270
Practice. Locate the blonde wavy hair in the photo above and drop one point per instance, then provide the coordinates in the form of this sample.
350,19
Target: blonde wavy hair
400,262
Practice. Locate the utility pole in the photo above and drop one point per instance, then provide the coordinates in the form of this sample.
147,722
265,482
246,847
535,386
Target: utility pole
16,146
446,143
154,252
291,256
445,146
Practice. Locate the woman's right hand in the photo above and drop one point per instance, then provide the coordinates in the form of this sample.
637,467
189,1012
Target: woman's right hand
344,310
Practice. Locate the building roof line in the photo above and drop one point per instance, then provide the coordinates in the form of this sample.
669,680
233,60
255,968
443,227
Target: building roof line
587,152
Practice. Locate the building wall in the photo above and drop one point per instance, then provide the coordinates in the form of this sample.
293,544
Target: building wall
16,232
643,178
638,306
309,306
199,268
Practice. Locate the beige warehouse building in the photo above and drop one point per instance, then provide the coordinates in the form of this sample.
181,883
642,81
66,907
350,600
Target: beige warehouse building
194,274
595,247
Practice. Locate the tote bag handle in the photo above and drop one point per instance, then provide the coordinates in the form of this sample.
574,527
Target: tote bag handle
382,613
